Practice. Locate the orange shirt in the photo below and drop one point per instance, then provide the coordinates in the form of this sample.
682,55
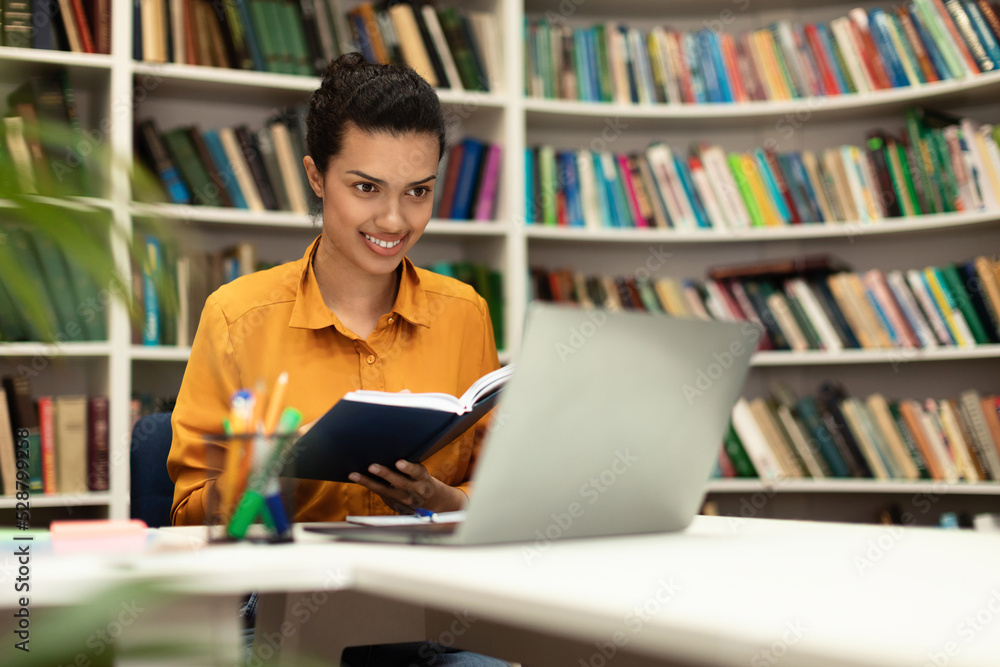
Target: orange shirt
438,337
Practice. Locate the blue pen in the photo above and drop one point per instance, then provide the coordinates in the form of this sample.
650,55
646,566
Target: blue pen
420,511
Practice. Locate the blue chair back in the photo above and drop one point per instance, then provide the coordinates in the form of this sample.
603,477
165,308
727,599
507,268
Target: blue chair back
152,489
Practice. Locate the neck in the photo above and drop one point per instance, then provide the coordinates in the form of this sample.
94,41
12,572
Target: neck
354,296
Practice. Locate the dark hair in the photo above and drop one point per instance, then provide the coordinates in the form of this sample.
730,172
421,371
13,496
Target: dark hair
375,98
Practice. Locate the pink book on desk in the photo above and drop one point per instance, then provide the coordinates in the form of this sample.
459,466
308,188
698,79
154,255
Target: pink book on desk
486,203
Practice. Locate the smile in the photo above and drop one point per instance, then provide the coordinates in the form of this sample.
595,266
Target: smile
383,244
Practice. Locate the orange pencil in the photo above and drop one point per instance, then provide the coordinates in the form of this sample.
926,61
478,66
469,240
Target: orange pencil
276,403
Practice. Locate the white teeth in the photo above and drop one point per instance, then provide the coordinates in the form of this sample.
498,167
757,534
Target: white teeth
384,244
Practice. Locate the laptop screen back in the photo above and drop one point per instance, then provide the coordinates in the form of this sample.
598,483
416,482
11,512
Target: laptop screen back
611,425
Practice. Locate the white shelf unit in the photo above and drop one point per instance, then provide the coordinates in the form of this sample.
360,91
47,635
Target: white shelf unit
118,90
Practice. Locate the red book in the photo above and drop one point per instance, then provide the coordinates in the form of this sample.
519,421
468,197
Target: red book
47,433
748,72
450,180
829,81
684,76
97,443
82,26
562,216
732,69
869,56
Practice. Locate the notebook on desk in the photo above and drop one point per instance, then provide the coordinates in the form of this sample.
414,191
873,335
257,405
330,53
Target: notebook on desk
610,425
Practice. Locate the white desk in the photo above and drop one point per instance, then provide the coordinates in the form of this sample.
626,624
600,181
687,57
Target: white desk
811,594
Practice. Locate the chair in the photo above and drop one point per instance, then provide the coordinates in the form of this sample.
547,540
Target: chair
152,488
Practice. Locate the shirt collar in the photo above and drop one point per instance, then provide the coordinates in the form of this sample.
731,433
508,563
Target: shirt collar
311,312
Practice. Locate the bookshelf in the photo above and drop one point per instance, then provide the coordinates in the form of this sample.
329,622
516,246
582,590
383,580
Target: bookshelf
119,89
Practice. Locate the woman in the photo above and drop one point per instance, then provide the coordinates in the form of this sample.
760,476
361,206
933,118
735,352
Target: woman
353,313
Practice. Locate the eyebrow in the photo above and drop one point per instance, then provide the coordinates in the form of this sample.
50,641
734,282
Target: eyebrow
379,181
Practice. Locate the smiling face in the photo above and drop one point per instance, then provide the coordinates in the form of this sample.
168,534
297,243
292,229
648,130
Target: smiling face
377,198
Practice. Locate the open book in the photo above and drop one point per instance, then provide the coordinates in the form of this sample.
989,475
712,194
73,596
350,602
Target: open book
366,427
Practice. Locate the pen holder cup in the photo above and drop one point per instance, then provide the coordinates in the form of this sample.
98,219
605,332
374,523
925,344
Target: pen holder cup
248,489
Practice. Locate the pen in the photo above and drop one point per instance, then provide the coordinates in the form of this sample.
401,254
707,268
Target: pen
427,514
274,405
263,492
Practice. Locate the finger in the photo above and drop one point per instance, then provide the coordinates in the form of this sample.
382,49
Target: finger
397,498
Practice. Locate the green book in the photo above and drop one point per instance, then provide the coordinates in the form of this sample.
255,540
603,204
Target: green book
461,50
946,175
838,55
182,151
952,280
603,64
735,161
786,74
808,330
263,26
443,268
58,286
497,307
923,162
547,175
294,38
737,455
908,185
936,29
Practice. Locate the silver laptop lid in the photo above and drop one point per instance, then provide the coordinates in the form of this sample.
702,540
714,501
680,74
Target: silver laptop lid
610,426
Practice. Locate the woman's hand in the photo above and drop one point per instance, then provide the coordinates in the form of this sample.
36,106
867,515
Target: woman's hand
412,489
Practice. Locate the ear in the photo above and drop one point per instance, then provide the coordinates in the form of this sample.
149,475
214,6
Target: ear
315,177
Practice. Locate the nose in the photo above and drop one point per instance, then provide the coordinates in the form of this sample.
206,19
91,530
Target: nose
391,218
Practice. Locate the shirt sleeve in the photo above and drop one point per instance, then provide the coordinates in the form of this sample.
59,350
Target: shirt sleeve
210,379
489,363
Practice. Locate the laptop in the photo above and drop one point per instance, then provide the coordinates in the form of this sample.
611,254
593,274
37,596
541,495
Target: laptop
610,425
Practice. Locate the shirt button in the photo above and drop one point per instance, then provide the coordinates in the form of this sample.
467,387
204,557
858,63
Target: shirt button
370,359
390,320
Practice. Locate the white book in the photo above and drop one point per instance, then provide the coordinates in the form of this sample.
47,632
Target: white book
721,304
911,311
327,34
661,159
927,304
776,439
786,322
20,154
676,63
441,44
289,168
932,429
981,178
726,190
814,311
849,156
588,189
792,60
618,64
183,324
411,44
484,24
241,170
800,441
177,35
703,185
991,156
963,167
961,449
873,199
763,458
845,40
882,418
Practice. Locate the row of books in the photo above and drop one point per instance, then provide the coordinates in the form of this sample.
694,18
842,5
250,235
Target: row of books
469,189
232,166
67,440
42,146
939,164
834,435
812,304
487,282
81,26
170,286
450,48
68,304
909,44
